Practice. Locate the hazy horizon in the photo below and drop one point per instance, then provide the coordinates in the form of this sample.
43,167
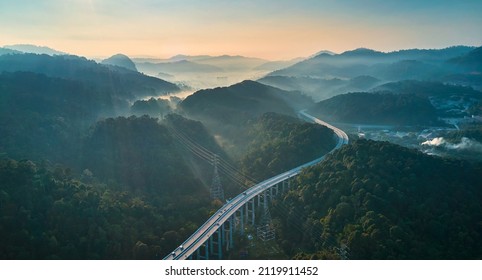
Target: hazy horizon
273,30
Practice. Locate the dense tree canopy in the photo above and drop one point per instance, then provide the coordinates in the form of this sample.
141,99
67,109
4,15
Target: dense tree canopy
117,81
384,202
136,152
278,143
240,102
47,214
152,107
377,108
43,117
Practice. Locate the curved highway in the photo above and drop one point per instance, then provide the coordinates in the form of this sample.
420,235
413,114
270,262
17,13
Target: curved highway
202,234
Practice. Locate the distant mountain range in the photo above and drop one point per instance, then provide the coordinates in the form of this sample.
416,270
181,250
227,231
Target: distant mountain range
27,48
177,67
123,82
471,61
4,51
428,89
204,71
321,88
453,65
207,64
408,102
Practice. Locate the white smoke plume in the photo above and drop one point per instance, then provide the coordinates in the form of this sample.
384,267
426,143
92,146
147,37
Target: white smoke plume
465,144
438,141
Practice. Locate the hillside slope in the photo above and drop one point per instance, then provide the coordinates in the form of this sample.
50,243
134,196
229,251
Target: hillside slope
377,108
122,82
384,201
240,102
120,60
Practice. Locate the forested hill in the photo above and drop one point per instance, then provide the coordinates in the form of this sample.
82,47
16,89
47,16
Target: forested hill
47,213
118,80
139,155
384,201
471,61
120,60
44,118
377,108
277,143
240,102
429,89
131,193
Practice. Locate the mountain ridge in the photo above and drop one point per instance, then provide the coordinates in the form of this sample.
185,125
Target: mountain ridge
120,60
29,48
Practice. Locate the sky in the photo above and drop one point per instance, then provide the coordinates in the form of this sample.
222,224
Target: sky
270,29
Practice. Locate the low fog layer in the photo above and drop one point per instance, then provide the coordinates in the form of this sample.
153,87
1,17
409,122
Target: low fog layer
465,144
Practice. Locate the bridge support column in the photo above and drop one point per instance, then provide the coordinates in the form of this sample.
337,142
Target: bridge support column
211,245
250,212
223,233
206,251
231,230
265,202
228,233
241,221
204,256
220,243
283,186
215,242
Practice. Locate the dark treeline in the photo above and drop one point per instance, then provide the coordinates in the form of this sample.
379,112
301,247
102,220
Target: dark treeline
378,108
238,103
131,194
278,143
45,213
44,118
77,185
384,202
117,81
152,107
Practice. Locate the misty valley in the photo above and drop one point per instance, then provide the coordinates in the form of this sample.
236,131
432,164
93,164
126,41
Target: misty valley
128,157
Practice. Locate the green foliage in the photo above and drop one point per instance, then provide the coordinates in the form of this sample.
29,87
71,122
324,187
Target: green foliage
138,153
46,214
121,61
427,89
43,118
471,62
476,109
240,102
138,196
279,143
117,81
378,108
195,131
385,202
152,107
471,131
